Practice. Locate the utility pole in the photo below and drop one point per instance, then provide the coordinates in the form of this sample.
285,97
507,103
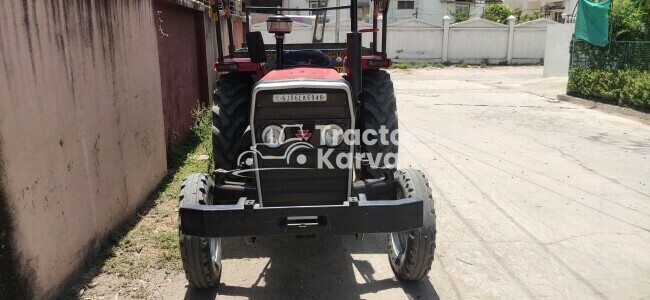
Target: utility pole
338,18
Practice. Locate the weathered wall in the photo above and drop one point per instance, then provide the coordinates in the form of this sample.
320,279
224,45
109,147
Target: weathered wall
558,54
473,44
181,54
10,274
529,43
472,41
401,45
211,54
82,129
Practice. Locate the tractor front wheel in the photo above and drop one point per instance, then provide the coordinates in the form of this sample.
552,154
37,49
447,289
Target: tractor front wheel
411,252
201,256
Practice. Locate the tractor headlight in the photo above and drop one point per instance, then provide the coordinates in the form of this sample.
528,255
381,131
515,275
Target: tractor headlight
332,135
273,136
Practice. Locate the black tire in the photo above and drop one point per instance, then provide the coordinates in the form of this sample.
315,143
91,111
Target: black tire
411,252
230,118
201,256
378,107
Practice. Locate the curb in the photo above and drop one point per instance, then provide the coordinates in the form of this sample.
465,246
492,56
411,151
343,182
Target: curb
608,108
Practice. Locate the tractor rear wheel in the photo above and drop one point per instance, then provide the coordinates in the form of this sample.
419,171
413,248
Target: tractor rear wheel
378,108
201,256
411,252
230,118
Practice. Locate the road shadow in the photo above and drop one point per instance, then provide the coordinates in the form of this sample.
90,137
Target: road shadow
315,268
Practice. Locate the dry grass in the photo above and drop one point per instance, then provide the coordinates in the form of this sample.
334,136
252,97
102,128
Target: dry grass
153,240
416,65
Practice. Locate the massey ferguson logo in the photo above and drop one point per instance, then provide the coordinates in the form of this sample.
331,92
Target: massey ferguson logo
303,135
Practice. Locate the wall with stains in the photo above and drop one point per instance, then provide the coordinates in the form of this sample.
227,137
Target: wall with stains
82,132
181,53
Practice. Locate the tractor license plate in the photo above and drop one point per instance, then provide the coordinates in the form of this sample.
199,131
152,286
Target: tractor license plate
280,98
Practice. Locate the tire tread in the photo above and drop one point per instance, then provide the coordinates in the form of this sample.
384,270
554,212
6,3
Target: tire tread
378,108
200,270
230,117
421,243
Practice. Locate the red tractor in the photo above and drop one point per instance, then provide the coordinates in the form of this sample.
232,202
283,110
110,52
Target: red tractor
301,149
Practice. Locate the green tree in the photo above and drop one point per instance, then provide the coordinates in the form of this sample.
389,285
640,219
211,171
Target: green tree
630,20
497,13
645,7
531,16
459,15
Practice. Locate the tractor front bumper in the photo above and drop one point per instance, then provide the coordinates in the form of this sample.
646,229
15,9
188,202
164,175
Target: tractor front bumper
248,219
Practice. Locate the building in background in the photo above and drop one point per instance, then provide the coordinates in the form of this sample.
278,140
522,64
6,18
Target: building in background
562,11
432,11
429,11
363,10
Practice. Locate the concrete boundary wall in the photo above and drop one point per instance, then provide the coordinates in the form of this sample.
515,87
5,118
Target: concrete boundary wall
82,133
474,41
557,54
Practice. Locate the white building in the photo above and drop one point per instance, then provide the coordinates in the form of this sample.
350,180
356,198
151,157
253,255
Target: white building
432,11
557,10
364,7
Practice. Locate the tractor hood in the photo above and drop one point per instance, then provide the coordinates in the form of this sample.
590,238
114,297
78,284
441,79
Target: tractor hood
308,73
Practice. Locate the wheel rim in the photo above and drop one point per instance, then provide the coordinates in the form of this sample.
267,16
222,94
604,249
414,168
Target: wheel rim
399,239
215,251
215,243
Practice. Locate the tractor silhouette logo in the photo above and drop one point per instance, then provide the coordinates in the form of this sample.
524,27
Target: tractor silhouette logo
299,142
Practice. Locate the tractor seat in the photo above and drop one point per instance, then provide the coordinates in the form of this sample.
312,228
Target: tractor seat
294,58
306,57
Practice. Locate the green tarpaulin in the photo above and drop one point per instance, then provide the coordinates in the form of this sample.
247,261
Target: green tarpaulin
592,22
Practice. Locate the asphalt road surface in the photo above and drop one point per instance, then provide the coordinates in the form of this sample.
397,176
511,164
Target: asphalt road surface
534,199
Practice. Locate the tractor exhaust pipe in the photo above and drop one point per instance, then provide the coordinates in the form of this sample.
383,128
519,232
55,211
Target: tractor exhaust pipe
384,30
353,68
279,25
279,50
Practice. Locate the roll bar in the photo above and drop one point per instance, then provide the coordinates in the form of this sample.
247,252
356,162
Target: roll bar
354,37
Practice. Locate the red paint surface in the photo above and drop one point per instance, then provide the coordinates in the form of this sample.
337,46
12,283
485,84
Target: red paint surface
365,62
243,65
181,52
303,73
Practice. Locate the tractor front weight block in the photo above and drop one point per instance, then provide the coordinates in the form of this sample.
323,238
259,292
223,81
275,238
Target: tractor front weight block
355,216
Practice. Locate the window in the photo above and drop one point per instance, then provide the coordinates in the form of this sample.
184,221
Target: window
405,4
557,16
462,8
314,4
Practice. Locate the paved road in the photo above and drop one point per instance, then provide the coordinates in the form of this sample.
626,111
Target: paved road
534,200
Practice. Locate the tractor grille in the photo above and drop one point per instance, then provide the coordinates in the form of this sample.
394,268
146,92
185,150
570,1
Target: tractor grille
297,180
